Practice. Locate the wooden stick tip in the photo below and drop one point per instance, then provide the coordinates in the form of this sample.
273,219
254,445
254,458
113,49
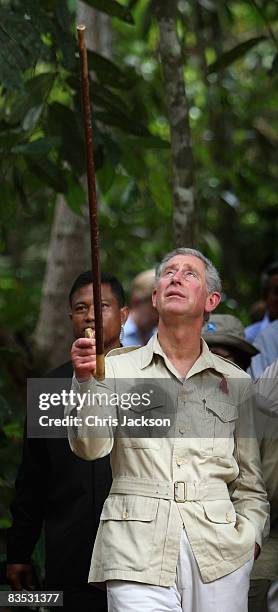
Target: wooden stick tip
81,27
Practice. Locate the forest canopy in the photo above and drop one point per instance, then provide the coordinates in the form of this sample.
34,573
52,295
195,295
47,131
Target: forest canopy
229,54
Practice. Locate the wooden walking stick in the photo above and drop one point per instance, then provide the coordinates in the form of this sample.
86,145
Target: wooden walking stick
91,180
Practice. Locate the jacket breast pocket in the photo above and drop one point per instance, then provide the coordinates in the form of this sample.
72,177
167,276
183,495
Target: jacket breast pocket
234,533
218,425
128,531
141,427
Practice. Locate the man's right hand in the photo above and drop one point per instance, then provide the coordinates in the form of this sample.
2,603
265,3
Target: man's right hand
83,356
20,576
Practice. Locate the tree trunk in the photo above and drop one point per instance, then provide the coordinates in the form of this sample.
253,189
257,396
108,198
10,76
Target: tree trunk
69,247
184,192
68,256
221,146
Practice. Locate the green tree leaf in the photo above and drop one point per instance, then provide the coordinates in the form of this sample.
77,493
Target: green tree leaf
36,90
229,57
108,72
112,8
36,147
75,195
49,173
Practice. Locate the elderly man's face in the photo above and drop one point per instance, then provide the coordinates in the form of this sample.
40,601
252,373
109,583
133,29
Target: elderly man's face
182,288
83,316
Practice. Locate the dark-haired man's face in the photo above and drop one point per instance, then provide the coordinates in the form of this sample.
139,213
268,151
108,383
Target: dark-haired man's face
83,316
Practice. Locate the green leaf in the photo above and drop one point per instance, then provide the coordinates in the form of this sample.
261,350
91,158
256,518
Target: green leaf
5,523
112,8
67,43
63,15
108,72
36,147
105,177
119,120
229,57
36,90
63,121
75,195
32,117
8,139
107,99
49,173
13,430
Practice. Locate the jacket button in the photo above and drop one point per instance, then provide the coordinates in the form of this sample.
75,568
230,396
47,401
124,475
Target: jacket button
125,515
179,462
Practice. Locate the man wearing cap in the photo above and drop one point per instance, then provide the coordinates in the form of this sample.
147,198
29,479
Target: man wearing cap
142,320
224,335
186,512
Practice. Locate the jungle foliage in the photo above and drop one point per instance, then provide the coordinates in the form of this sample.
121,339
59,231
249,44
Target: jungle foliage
230,51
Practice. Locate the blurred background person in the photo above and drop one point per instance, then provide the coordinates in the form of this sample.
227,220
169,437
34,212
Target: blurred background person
142,320
257,311
269,290
267,344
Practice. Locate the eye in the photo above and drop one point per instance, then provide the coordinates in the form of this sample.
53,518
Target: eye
168,272
190,273
105,305
80,308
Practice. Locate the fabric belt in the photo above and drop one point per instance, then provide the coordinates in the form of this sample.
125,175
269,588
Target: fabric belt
180,491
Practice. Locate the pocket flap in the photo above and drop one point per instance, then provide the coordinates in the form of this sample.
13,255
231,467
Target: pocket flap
129,508
225,412
220,511
155,404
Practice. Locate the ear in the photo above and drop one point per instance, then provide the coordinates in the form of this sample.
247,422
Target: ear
212,301
124,314
154,297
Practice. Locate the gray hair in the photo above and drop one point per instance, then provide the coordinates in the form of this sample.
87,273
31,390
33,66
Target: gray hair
212,276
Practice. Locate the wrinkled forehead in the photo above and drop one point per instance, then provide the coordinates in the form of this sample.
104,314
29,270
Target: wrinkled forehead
185,261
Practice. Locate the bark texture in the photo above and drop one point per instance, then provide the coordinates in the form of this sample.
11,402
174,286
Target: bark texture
209,32
68,256
184,192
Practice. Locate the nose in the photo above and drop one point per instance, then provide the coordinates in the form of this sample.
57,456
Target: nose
90,315
177,276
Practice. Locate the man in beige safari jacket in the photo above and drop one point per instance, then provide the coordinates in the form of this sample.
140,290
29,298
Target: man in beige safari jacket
203,483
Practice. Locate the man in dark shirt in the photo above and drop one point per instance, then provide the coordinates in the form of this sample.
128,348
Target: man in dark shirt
59,490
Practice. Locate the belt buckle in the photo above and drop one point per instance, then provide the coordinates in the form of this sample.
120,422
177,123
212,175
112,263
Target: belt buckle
180,491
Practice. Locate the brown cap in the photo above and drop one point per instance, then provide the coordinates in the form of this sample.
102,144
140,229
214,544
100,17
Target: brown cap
143,284
227,330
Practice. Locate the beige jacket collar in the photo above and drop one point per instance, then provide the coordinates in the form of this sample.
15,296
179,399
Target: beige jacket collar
207,359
